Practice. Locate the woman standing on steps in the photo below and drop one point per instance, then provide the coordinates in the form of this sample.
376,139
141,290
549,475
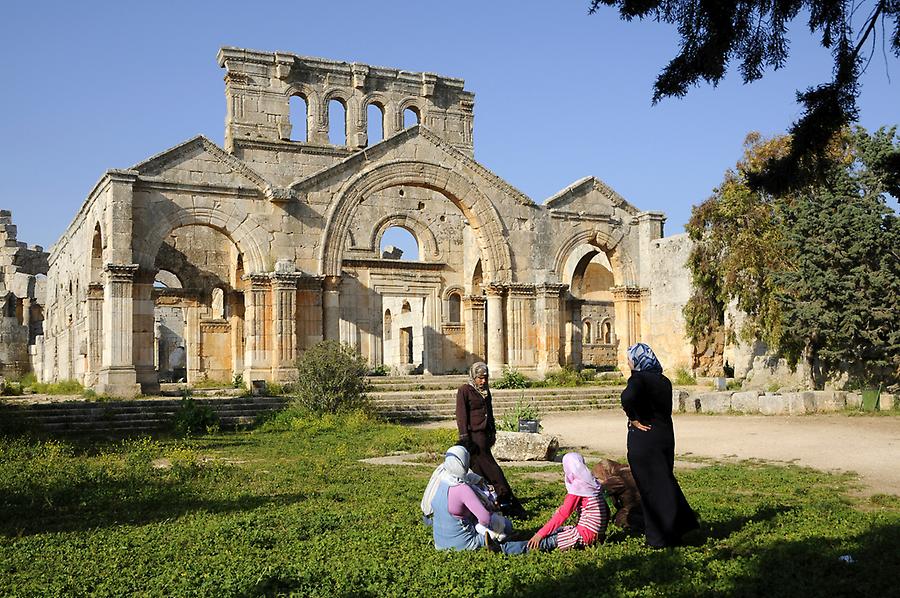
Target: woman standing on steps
647,401
478,432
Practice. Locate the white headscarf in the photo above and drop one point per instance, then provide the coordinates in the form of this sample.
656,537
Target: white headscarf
452,471
579,479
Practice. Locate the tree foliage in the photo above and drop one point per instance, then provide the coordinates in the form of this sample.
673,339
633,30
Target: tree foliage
816,270
331,378
754,34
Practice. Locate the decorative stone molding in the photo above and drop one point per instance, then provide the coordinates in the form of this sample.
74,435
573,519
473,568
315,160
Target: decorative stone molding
121,272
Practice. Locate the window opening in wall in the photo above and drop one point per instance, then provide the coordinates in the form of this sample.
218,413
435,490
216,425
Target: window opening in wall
607,333
397,243
454,303
374,123
337,123
299,115
405,309
410,117
586,332
387,324
218,304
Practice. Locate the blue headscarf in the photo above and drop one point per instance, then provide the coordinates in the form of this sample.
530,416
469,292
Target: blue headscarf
643,359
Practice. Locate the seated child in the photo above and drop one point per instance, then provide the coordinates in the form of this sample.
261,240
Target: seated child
584,495
622,490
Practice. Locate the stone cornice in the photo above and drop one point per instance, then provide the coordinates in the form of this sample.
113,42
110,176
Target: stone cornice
121,272
294,147
158,184
388,264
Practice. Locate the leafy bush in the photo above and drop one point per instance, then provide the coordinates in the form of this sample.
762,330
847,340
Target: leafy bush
237,381
332,378
379,370
734,385
63,387
588,374
10,389
523,410
566,377
683,377
511,379
193,418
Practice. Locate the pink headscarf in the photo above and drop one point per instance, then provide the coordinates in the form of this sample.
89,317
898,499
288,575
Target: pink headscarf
579,480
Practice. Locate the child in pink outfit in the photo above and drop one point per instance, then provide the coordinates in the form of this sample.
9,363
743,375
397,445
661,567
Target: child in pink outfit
585,496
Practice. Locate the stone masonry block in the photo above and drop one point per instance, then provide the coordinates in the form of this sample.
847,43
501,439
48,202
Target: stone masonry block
800,403
853,400
746,401
678,400
888,401
772,404
713,402
828,401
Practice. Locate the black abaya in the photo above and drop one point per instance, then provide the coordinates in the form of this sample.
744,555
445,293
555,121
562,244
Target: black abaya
651,454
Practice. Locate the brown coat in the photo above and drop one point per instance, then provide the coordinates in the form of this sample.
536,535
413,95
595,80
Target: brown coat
622,489
474,413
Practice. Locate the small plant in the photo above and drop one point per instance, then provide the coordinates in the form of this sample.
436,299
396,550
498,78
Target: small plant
379,370
773,387
511,379
10,389
192,417
734,385
274,389
588,374
63,387
523,410
566,377
683,377
237,381
331,378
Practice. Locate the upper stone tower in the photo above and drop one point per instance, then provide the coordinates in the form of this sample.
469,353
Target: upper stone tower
259,85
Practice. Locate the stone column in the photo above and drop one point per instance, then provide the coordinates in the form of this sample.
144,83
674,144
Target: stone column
118,376
284,324
431,336
496,329
309,312
550,316
257,364
520,336
573,331
95,333
144,334
195,369
331,308
627,300
474,321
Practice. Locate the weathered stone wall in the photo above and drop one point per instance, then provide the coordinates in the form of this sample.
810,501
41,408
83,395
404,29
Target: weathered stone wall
669,286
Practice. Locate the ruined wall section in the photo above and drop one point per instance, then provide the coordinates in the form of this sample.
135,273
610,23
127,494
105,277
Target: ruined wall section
258,128
670,288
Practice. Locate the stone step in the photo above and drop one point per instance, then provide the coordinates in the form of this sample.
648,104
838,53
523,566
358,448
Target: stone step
423,412
505,393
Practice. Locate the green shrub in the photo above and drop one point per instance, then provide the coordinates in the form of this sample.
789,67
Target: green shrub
511,379
565,377
683,377
332,378
194,418
63,387
734,385
523,409
211,383
379,370
587,374
10,389
237,381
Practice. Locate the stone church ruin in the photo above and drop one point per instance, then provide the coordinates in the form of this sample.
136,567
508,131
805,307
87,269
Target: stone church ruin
208,262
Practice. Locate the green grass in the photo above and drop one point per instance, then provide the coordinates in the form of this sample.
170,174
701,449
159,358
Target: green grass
288,508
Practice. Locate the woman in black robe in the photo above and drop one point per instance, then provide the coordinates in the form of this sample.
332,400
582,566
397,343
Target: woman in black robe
647,400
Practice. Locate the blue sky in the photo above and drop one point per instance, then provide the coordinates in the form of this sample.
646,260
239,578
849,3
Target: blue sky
89,86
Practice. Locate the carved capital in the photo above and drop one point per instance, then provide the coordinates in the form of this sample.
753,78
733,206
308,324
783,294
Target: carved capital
552,289
360,72
428,83
121,272
495,289
332,283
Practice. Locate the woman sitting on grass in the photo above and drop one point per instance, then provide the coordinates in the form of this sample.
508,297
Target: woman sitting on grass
585,495
460,519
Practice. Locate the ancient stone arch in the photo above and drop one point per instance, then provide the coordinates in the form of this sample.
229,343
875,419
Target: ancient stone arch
475,206
623,265
244,233
428,245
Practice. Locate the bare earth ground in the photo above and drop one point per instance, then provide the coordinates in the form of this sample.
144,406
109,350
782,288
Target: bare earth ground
869,446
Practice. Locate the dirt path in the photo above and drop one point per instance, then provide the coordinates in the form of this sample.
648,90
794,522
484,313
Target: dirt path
869,446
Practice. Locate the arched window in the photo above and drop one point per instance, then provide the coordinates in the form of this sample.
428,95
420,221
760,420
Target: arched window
337,123
387,324
299,115
586,332
607,332
406,308
374,123
411,117
166,280
97,256
399,244
454,304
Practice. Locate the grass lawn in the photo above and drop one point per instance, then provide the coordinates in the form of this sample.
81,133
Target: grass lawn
288,508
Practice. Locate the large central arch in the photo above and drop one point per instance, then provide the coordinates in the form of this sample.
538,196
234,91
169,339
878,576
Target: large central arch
475,206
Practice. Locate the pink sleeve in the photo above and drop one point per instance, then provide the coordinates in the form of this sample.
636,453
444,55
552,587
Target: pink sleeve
462,498
559,517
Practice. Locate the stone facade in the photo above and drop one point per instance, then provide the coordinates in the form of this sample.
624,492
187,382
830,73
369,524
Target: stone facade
247,255
23,272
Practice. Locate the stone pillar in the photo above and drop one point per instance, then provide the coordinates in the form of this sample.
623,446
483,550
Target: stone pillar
520,334
118,376
474,321
496,329
550,316
573,331
144,332
94,333
431,335
331,308
309,312
284,324
257,364
195,369
627,300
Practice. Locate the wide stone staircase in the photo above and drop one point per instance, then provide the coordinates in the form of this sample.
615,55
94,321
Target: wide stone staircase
411,398
398,398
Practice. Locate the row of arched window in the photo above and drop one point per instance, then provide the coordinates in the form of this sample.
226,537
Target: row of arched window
337,121
454,313
592,335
